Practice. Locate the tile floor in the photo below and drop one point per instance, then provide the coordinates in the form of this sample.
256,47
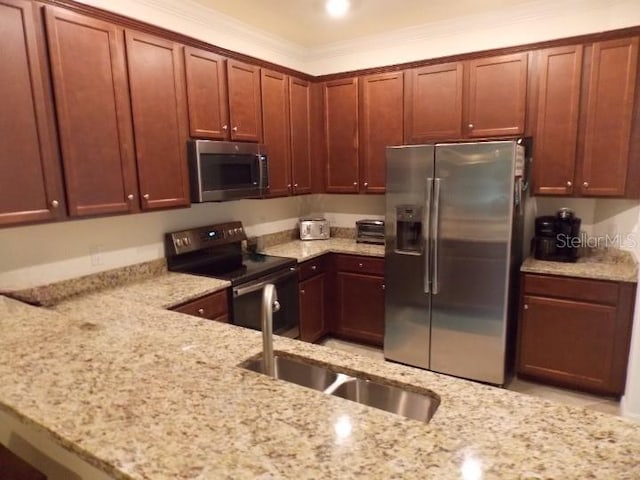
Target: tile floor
569,397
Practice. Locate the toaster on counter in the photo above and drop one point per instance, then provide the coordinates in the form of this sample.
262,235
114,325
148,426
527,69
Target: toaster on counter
370,231
314,228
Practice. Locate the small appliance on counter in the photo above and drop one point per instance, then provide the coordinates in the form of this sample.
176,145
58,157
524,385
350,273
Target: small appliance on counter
314,227
370,231
557,238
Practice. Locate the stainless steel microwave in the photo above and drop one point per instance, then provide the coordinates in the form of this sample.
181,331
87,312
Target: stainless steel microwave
221,171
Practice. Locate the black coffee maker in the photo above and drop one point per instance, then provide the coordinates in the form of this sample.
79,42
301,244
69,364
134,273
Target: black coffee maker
557,238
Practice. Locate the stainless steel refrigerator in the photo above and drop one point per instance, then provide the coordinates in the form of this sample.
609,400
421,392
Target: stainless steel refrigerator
453,248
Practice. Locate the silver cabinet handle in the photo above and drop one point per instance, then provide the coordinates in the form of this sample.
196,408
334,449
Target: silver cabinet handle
366,184
201,311
302,292
130,197
288,185
569,184
470,126
426,229
55,203
235,129
314,268
360,265
355,184
526,307
585,184
295,185
225,127
384,287
146,196
436,221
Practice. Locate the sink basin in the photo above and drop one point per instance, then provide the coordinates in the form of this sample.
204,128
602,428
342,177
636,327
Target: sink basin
391,398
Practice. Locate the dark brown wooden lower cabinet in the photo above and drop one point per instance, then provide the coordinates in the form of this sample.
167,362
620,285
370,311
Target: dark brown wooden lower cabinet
576,342
312,308
212,307
359,307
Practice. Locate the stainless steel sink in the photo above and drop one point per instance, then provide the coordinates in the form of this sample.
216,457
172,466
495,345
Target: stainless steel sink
391,398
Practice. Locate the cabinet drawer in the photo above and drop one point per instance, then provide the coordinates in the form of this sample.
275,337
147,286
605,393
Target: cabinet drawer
211,307
580,289
358,264
312,267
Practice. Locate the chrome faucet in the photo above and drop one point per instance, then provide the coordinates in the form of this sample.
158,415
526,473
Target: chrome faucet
270,305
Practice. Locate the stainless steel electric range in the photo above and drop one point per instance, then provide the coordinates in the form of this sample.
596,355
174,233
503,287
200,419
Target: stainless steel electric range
216,251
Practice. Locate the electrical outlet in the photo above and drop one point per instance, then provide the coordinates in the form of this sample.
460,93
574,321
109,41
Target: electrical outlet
96,256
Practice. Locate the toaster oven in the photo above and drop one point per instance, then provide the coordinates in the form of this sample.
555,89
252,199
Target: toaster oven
370,231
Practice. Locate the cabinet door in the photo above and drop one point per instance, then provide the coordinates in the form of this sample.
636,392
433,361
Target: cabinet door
433,103
568,342
206,94
275,111
610,99
300,122
156,77
92,101
381,125
244,101
30,180
312,299
560,71
360,306
341,134
496,96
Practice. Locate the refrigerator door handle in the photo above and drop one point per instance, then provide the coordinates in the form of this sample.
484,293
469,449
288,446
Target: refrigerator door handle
426,236
435,283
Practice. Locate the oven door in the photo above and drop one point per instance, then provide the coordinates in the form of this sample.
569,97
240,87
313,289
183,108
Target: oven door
247,303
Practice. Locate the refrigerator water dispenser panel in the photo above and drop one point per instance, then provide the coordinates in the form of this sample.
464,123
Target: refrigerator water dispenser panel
409,227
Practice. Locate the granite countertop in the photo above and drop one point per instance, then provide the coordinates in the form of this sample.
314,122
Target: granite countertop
600,264
305,250
146,393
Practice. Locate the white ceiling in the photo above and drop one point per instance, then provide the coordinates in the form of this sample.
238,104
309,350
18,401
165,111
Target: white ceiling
306,23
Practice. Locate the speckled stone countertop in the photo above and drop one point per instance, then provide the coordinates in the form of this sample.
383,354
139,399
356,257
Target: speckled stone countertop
146,393
304,250
601,264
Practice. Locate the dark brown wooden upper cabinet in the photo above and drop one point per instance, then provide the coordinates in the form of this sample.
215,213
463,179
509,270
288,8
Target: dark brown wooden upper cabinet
609,117
496,96
341,134
300,125
160,120
433,103
275,112
94,118
206,94
381,125
30,172
244,101
559,76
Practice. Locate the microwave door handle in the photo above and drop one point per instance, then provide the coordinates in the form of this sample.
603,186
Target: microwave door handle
262,160
426,229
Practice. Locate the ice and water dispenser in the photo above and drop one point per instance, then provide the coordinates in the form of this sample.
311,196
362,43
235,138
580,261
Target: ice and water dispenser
409,225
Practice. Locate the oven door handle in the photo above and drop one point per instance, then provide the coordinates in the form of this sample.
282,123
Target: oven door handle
273,278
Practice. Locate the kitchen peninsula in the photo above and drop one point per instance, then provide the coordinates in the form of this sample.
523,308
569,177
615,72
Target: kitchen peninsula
142,392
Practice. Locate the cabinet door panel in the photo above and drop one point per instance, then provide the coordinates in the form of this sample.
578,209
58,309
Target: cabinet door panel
206,94
30,171
244,101
567,341
609,117
275,110
300,122
312,300
341,134
496,99
433,103
156,77
89,78
360,300
381,125
560,72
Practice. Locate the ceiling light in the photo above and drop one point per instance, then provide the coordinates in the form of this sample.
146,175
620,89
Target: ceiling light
337,8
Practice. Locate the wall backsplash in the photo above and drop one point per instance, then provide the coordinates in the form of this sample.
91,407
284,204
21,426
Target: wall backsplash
39,254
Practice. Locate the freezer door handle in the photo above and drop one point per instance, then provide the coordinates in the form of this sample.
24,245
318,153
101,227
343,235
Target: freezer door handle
426,236
435,283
